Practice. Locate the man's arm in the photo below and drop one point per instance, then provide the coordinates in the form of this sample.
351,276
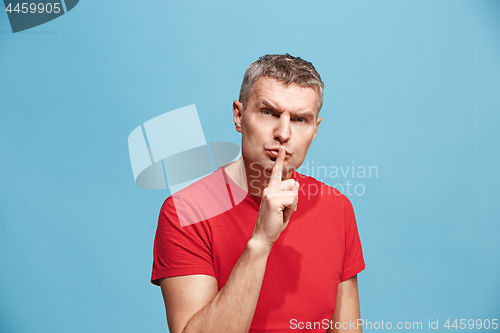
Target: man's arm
194,303
347,309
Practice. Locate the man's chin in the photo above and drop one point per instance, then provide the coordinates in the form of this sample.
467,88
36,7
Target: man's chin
270,165
266,166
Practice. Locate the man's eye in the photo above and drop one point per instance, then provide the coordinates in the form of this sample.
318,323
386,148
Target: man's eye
266,112
300,120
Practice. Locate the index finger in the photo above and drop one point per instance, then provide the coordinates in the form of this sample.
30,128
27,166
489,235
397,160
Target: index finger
276,174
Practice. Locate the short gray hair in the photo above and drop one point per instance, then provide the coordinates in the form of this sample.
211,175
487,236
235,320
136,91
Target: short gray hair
284,68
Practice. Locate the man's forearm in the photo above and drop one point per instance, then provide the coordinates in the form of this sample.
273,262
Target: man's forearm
233,308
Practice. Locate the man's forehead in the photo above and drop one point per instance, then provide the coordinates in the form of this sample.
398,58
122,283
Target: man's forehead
274,94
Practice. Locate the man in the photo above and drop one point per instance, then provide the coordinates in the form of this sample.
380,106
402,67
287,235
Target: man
256,246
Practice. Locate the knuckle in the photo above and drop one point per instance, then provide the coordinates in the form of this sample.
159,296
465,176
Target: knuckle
270,197
268,191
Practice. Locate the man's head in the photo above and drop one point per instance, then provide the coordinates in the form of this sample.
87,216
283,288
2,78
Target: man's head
284,68
279,104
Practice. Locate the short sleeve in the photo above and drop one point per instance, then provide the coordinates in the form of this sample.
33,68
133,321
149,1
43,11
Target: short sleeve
353,254
180,249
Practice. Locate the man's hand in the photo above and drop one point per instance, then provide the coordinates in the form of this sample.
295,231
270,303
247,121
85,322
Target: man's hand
279,201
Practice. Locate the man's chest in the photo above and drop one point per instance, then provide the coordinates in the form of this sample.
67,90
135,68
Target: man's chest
303,269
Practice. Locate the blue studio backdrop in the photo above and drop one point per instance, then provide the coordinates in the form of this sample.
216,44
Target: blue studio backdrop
412,94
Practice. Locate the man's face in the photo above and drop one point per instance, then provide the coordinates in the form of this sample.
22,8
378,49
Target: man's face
277,114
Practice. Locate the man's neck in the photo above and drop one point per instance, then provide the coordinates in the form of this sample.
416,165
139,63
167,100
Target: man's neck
236,171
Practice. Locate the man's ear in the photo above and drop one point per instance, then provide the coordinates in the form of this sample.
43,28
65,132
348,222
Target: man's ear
318,121
237,114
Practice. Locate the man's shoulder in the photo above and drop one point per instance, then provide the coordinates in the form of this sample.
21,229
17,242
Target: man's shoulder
209,184
201,200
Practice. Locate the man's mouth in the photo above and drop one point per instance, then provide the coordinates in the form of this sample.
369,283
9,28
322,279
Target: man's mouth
273,153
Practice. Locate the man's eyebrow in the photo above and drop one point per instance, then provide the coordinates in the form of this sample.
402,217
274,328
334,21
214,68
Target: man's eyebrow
304,114
268,104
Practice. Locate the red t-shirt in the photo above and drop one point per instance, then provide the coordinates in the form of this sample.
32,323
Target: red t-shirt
203,229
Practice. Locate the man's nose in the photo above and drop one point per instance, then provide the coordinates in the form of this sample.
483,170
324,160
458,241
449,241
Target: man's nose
282,131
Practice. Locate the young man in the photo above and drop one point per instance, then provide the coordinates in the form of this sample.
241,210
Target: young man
256,246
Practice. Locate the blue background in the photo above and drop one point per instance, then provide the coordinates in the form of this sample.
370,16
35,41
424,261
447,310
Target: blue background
412,87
